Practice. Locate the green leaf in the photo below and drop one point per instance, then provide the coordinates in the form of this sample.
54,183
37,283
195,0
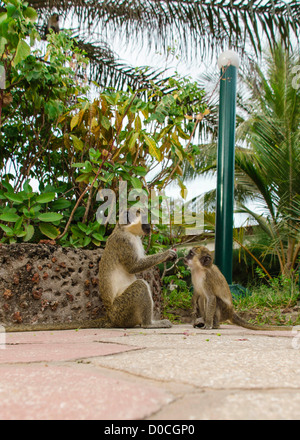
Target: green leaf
136,183
54,108
29,213
18,224
61,204
20,233
74,121
105,122
140,171
26,187
29,232
88,166
7,229
31,14
7,186
45,198
3,42
49,230
23,51
84,178
9,217
78,144
15,198
132,141
86,241
82,227
153,150
50,217
98,236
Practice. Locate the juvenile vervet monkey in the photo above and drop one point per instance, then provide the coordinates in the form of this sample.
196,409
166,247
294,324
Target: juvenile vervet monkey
53,23
212,299
128,300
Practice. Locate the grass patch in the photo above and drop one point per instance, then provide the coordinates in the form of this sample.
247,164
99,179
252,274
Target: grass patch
273,303
175,303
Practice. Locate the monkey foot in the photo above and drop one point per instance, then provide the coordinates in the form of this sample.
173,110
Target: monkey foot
164,323
199,323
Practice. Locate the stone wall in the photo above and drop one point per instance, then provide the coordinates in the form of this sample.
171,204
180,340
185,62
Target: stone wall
49,284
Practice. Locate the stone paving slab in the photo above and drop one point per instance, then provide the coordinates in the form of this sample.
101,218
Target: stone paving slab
234,404
165,374
215,359
64,392
58,346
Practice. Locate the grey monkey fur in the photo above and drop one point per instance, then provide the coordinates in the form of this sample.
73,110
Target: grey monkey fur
212,299
128,300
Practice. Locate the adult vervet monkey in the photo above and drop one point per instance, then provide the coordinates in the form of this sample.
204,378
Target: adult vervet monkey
128,300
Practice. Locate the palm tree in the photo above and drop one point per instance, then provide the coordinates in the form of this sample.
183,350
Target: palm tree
269,168
198,26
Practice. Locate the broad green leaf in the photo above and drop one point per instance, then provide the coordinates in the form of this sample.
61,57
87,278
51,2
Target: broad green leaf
138,124
105,122
86,241
61,204
136,183
45,198
9,217
181,133
31,14
29,232
153,150
74,121
140,171
82,227
23,51
84,178
29,213
49,230
6,229
132,141
78,144
18,224
178,153
20,233
16,198
98,236
50,217
7,186
26,187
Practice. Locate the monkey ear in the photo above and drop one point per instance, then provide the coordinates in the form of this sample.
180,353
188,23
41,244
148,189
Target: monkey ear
206,260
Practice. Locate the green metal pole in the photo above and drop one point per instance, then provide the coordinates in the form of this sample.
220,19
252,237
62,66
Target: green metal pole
225,172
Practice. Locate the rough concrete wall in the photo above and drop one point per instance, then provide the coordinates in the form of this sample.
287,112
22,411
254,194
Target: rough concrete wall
43,283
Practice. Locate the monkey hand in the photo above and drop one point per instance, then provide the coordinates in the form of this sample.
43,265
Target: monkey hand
172,255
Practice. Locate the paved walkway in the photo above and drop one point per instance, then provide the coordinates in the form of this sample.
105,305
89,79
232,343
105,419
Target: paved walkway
172,374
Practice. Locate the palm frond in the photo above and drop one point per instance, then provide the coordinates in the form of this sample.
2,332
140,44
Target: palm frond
108,70
197,25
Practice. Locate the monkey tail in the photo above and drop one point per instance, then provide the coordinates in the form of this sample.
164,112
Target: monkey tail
237,320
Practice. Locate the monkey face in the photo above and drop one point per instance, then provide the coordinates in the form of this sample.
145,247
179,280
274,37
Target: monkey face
146,228
137,225
198,256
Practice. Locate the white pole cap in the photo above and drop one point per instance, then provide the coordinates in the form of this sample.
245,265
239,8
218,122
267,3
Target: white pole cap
229,57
